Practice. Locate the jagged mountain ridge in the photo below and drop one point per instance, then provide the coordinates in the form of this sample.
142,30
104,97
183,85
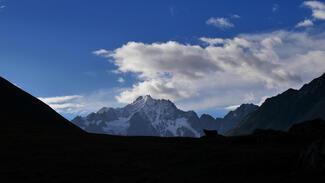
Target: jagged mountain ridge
286,109
233,118
38,145
143,117
151,117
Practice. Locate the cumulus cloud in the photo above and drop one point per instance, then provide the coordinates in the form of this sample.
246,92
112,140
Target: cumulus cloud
82,104
243,69
220,22
305,23
317,7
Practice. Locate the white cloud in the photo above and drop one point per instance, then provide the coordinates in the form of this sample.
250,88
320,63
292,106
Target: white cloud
63,103
305,23
60,99
102,52
232,107
317,7
220,22
82,104
243,69
263,100
212,41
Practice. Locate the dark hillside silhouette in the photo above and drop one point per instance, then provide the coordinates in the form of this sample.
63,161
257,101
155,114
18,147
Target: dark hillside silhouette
38,145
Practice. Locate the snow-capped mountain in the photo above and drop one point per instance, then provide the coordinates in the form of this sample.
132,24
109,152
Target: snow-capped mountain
144,117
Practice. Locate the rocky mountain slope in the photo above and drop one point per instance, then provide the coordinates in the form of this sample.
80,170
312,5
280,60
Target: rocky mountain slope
146,117
38,145
288,108
151,117
233,118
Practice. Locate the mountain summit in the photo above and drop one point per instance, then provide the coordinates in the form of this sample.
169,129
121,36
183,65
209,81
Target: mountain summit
144,117
233,118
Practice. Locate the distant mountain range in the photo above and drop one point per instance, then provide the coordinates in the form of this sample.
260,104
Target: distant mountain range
39,145
151,117
286,109
144,117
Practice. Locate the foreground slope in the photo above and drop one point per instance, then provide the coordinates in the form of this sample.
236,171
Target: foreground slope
23,115
288,108
38,145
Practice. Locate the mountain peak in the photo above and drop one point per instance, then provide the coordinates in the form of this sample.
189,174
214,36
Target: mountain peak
143,98
148,101
138,98
104,110
315,87
242,110
147,97
144,116
233,118
248,105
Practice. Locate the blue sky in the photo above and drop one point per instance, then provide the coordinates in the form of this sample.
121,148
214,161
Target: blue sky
47,48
